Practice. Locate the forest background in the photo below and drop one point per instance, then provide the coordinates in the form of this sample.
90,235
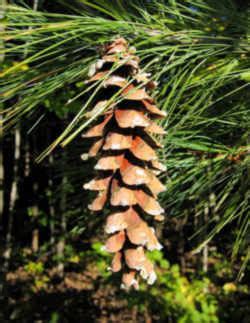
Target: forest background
52,266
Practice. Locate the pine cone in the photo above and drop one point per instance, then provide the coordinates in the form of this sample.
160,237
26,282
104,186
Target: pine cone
127,161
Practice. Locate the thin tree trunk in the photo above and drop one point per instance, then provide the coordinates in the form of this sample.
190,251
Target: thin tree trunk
35,5
13,192
63,222
35,209
208,213
183,223
35,213
51,204
205,248
13,198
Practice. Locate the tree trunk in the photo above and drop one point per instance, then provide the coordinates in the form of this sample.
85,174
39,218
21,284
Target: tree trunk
13,198
63,222
52,212
35,213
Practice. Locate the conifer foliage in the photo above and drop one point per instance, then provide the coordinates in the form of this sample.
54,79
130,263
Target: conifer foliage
124,144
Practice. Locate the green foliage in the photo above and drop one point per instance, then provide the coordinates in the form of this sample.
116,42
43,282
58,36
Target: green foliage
40,279
34,268
177,298
101,260
173,296
54,318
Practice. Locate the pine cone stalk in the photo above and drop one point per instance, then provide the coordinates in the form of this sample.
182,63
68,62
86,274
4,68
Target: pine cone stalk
125,149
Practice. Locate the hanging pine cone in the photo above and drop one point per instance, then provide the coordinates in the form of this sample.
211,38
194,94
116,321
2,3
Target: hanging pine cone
127,161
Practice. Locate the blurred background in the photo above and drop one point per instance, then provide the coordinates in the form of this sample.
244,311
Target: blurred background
52,266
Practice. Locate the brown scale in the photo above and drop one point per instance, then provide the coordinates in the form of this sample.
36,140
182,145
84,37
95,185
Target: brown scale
127,163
